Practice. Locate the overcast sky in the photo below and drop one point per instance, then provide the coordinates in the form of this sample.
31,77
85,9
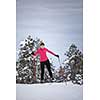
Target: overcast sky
58,22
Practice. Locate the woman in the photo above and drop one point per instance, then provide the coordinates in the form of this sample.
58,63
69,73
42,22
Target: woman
44,60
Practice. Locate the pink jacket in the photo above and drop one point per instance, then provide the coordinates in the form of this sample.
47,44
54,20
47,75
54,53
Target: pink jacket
42,53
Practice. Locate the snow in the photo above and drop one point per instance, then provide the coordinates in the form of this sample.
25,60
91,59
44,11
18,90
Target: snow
49,91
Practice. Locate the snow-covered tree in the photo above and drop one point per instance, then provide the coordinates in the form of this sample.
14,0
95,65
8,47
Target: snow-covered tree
74,64
27,68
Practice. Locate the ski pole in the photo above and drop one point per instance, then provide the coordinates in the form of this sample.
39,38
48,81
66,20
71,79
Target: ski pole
59,61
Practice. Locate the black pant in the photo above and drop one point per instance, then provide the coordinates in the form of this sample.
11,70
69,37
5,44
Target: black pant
47,63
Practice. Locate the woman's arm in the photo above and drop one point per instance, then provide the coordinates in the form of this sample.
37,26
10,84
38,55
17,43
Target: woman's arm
50,52
36,53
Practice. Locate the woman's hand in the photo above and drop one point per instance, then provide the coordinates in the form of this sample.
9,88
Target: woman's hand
57,56
32,53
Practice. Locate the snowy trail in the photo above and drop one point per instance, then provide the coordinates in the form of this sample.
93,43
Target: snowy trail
49,91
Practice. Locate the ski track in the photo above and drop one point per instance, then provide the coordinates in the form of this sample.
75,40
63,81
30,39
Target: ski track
49,91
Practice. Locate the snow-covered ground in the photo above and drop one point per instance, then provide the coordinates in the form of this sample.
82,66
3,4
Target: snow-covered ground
49,91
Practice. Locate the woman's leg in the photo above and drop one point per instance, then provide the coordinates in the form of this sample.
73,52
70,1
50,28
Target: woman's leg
49,68
42,71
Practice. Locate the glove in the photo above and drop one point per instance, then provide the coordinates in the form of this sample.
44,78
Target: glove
57,56
32,53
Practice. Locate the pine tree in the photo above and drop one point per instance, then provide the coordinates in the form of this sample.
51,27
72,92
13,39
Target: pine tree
74,64
27,68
